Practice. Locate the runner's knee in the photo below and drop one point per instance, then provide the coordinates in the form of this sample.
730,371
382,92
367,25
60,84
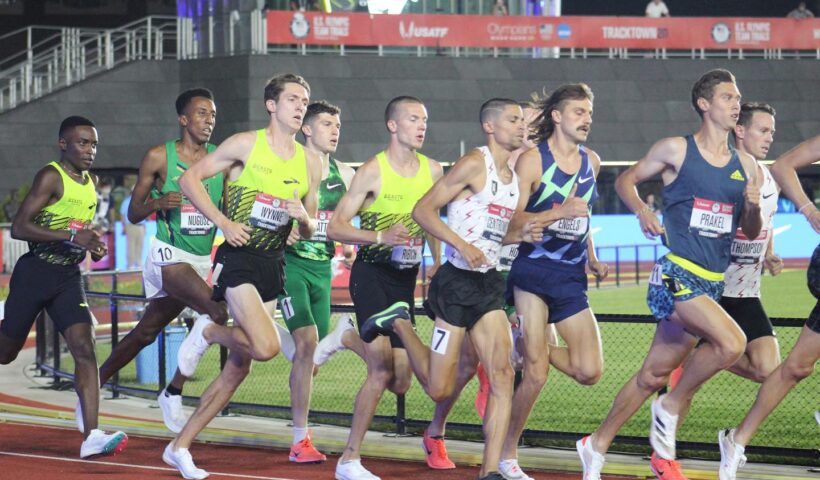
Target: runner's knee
264,350
649,382
797,369
588,374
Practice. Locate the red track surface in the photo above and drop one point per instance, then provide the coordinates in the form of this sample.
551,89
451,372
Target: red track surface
29,452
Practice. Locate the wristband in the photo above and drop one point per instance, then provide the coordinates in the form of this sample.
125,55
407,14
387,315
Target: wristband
72,233
378,238
808,204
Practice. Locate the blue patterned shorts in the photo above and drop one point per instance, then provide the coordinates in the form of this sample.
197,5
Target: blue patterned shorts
671,282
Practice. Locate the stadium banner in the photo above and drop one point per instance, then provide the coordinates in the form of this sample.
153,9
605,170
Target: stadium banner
719,33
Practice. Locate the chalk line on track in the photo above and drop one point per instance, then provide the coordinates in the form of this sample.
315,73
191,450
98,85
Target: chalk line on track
129,465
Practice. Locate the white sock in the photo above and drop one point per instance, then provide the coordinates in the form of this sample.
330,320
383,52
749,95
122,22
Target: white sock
299,434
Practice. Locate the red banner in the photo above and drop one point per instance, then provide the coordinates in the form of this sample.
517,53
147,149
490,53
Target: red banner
362,29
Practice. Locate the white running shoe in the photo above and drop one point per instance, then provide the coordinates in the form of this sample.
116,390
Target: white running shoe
510,470
286,344
662,431
731,455
78,417
193,347
101,443
181,460
817,416
332,342
353,470
172,414
592,462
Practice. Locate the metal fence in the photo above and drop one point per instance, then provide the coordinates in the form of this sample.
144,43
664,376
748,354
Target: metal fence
564,411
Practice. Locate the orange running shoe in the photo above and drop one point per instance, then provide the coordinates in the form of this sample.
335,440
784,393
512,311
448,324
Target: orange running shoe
305,452
436,453
483,392
666,469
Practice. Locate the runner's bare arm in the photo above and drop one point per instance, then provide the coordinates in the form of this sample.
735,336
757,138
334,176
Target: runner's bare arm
232,151
153,167
340,229
467,173
664,154
751,221
784,171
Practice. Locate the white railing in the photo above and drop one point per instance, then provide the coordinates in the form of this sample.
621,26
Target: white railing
56,57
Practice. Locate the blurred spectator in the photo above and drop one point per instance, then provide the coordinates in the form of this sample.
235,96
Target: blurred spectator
103,217
656,9
801,12
500,8
134,233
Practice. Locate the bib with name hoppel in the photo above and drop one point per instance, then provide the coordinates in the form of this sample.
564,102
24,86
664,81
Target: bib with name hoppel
394,204
186,227
482,218
75,209
565,240
258,197
702,208
319,247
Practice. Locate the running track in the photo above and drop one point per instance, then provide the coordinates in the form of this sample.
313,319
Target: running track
31,452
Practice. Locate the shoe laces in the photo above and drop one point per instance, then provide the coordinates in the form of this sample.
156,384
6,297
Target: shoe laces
438,447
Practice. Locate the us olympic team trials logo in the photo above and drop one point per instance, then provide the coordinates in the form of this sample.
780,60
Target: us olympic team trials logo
299,26
721,33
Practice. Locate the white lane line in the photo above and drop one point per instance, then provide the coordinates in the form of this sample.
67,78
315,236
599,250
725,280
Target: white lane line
128,465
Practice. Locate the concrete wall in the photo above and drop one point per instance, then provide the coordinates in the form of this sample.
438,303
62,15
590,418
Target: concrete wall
637,101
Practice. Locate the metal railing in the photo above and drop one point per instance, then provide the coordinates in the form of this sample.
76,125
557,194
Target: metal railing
405,414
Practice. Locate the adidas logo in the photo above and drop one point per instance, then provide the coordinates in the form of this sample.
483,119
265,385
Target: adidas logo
736,175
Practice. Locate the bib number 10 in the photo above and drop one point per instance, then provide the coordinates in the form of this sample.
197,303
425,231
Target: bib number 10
165,254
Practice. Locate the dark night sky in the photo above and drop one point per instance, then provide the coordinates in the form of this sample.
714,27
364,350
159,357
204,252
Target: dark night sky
688,8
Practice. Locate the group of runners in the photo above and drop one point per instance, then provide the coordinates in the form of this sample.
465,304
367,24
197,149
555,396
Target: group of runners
518,246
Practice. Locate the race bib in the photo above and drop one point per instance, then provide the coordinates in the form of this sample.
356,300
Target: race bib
193,222
498,219
322,220
162,254
77,225
656,277
749,252
573,229
408,255
508,254
710,218
269,212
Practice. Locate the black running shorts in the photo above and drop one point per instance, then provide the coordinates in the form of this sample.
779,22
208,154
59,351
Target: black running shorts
36,284
376,286
462,297
749,314
238,266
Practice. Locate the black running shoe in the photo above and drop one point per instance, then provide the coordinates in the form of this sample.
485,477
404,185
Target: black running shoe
382,322
492,476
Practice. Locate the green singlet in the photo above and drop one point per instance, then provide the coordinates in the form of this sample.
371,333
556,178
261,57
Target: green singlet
186,227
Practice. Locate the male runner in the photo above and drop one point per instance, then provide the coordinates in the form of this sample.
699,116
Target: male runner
754,134
806,352
55,219
308,273
272,180
548,280
179,259
383,278
709,188
466,295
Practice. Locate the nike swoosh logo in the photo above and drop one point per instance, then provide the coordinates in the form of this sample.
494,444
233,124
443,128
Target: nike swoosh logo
331,187
584,180
288,181
174,179
767,196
